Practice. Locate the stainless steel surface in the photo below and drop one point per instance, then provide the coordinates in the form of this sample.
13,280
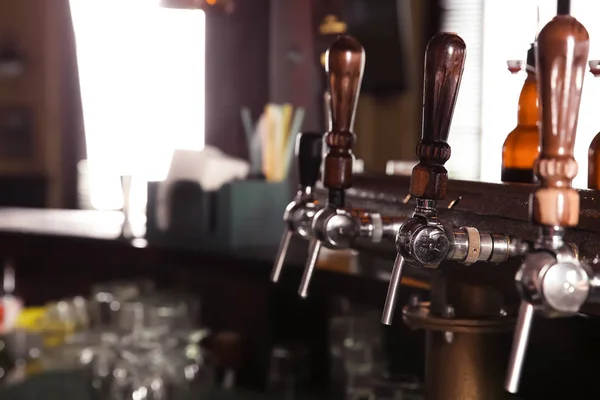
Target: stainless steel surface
301,219
555,283
394,286
313,255
550,237
519,347
469,245
594,296
552,281
280,257
459,245
339,228
423,240
372,227
297,217
486,243
391,226
336,228
566,286
502,248
429,245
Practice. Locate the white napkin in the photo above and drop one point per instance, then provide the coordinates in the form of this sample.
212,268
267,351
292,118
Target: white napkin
210,167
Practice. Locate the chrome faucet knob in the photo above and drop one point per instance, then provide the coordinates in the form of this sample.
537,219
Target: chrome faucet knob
423,240
554,284
335,227
338,228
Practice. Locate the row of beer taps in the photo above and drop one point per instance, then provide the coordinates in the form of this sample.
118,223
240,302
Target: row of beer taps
552,281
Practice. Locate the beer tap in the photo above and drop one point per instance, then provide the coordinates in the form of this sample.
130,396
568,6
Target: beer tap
337,226
299,213
423,239
552,281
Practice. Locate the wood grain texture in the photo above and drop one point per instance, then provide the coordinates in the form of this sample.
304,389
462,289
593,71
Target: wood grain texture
444,64
345,66
561,58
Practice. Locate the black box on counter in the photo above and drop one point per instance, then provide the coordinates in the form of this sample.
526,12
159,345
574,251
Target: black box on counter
241,214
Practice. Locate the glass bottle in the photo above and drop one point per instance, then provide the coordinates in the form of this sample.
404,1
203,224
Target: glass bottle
521,146
594,151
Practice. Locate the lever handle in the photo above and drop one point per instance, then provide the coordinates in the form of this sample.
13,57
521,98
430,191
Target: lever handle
561,57
519,347
345,65
444,64
309,150
393,287
281,253
313,255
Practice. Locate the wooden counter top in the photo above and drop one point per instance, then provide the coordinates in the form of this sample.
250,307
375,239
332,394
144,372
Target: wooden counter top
23,229
105,225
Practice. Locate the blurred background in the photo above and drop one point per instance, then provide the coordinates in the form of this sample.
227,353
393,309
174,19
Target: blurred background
182,114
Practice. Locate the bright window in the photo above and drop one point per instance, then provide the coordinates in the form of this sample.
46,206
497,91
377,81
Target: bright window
486,110
141,70
500,89
587,11
465,18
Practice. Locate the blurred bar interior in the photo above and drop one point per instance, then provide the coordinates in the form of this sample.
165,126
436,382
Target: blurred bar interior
169,167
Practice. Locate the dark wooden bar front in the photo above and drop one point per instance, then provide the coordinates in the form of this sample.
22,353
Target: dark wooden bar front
62,253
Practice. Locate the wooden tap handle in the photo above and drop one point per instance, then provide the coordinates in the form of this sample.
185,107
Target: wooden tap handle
444,64
345,65
561,56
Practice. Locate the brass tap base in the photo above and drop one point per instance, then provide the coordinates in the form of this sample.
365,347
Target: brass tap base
419,317
471,366
465,358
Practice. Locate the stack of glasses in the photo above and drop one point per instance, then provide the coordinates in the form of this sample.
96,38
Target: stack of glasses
141,344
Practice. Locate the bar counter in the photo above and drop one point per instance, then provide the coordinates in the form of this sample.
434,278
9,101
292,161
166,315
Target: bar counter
62,253
22,229
68,385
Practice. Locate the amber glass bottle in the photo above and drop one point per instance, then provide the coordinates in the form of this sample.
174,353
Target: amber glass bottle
521,146
594,164
594,151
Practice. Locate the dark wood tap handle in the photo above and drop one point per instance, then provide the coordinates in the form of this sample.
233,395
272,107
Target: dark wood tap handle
561,55
309,150
345,65
444,64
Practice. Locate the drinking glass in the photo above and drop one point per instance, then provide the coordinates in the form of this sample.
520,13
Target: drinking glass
288,371
106,300
356,348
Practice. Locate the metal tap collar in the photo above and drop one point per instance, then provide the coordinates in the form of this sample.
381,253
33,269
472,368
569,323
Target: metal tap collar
550,237
426,207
